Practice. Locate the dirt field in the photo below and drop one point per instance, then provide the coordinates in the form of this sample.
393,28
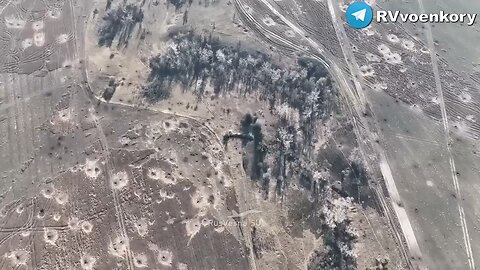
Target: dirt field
94,179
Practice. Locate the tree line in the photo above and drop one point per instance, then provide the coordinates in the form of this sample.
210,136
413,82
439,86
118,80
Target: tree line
195,61
119,23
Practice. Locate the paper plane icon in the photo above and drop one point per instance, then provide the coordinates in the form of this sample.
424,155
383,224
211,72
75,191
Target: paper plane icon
360,15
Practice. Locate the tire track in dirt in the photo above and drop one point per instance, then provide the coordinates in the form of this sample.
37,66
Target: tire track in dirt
109,166
446,127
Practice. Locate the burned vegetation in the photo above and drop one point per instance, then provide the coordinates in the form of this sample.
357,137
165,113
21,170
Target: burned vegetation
338,239
195,61
178,4
119,23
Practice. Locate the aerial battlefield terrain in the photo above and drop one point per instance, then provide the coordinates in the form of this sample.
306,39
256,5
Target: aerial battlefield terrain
231,134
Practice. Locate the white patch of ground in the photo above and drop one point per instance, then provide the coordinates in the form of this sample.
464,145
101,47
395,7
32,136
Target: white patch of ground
39,39
222,178
393,38
54,14
383,49
142,227
219,229
56,216
153,132
140,260
192,226
124,141
166,194
67,64
416,108
462,128
50,236
164,256
87,262
119,180
170,126
92,170
63,38
182,266
48,191
64,115
368,31
14,23
435,100
74,224
393,58
465,97
26,43
19,209
269,21
425,50
37,26
41,214
159,174
87,227
170,221
471,118
290,33
206,222
118,247
200,201
61,197
372,57
408,44
18,257
367,70
429,183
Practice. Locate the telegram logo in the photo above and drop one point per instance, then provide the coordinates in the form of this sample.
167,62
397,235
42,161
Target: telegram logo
359,15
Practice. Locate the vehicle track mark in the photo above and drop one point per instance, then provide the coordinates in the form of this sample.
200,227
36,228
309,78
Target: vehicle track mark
109,166
446,127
